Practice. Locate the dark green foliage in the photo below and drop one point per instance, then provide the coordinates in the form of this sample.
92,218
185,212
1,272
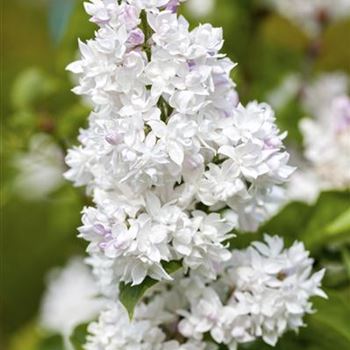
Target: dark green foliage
78,338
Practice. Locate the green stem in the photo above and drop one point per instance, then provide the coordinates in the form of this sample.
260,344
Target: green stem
165,109
147,32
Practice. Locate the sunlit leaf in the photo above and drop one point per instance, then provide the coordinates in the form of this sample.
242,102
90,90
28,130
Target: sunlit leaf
328,219
333,315
340,225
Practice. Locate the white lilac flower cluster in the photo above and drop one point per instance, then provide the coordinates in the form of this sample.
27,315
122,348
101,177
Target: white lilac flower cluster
174,163
312,15
114,330
326,134
71,298
331,158
325,164
261,292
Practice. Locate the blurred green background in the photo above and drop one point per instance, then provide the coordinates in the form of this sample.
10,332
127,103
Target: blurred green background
39,39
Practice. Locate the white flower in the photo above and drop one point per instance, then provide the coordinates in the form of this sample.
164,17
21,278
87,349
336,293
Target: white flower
253,164
115,331
157,234
260,292
109,13
178,136
174,164
263,292
206,315
149,4
318,96
165,136
72,298
326,137
221,183
328,146
39,169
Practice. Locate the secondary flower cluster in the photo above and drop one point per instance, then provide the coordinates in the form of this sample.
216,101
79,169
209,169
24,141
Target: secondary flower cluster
71,299
327,136
174,163
40,168
260,293
312,15
326,133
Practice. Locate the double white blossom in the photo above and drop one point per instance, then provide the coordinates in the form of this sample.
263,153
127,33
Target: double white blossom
168,144
174,164
114,331
260,293
263,292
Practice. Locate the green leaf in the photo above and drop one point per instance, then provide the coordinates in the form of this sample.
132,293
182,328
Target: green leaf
130,295
340,225
289,222
78,338
333,317
328,221
52,343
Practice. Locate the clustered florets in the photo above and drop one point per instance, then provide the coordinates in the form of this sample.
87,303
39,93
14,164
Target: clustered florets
167,133
327,132
260,293
175,164
325,164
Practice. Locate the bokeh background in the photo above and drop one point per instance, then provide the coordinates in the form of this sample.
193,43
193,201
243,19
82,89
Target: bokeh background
41,117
